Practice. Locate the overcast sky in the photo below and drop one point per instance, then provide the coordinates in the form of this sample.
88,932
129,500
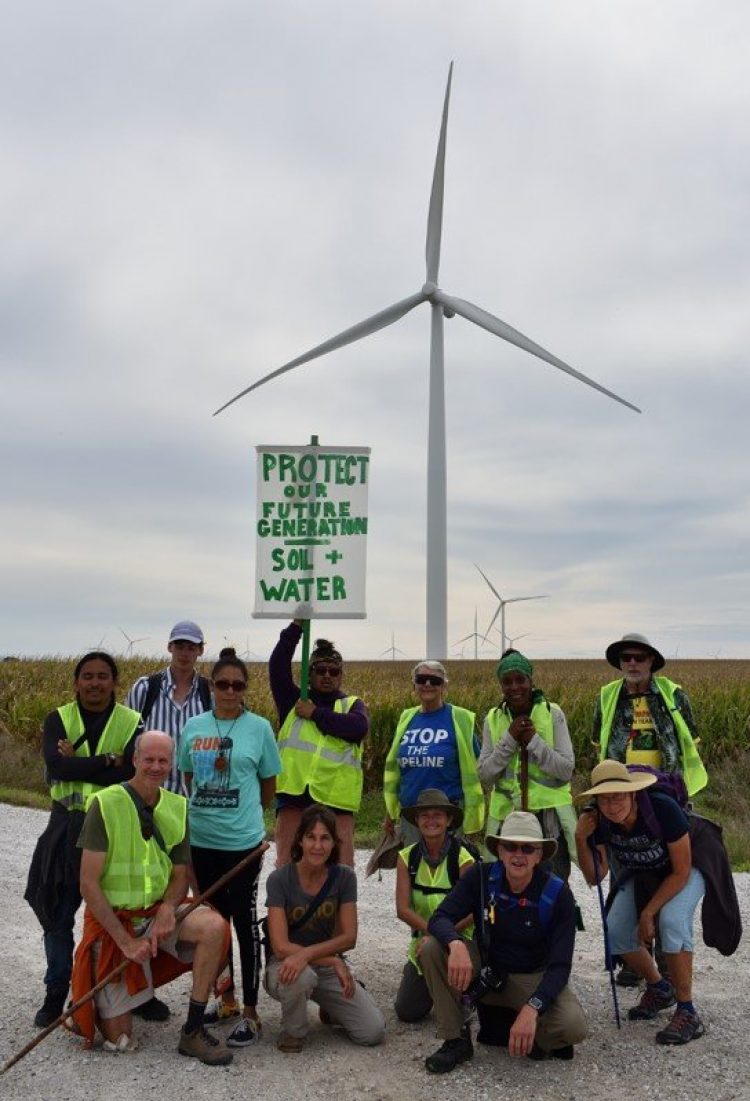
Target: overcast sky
192,194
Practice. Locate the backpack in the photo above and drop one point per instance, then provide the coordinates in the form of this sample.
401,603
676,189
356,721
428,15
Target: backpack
547,899
670,784
453,869
154,688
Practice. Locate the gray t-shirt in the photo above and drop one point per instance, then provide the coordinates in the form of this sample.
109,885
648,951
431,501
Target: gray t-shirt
283,890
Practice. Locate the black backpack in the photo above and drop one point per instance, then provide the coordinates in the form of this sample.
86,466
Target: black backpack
154,688
453,869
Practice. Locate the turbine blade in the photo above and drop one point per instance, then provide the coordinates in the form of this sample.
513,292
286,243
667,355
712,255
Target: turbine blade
435,215
356,332
494,325
486,578
515,599
492,621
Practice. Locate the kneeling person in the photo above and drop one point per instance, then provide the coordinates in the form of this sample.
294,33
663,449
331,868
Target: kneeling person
528,918
134,878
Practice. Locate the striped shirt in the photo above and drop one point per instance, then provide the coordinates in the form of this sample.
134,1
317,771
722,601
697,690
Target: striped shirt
169,716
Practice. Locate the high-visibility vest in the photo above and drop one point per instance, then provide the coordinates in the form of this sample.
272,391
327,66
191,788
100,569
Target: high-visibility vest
693,770
136,871
544,791
426,904
473,796
329,767
121,725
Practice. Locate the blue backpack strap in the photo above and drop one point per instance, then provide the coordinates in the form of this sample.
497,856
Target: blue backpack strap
548,898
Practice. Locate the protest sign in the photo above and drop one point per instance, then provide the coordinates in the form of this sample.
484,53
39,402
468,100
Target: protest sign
311,530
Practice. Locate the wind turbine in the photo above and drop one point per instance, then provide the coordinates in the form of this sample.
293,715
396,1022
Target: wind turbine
131,641
474,635
500,610
441,305
392,649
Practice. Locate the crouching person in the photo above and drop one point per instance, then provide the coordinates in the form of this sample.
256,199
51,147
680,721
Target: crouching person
312,920
134,878
526,918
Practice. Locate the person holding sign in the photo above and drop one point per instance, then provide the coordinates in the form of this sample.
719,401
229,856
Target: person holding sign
527,758
434,747
320,743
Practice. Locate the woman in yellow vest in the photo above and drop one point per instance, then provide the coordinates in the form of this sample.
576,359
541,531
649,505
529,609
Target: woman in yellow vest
526,721
434,746
422,884
87,745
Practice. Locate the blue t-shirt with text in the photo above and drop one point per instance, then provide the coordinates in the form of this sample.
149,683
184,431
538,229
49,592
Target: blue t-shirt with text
428,757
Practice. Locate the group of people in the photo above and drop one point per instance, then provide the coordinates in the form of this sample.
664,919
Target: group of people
163,797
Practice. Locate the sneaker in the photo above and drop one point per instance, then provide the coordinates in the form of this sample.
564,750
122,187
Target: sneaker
220,1013
290,1045
202,1045
243,1034
453,1052
152,1010
52,1006
123,1045
684,1027
652,1002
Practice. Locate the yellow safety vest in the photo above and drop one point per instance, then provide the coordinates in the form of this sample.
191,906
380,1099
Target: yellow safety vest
329,767
544,791
122,723
137,872
463,722
693,770
426,905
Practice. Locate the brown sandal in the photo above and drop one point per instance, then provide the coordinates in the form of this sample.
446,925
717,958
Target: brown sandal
291,1045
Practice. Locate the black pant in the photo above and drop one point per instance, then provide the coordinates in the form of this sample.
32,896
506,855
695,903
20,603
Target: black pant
237,902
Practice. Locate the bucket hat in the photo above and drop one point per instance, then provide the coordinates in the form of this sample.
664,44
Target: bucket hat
614,650
432,799
522,827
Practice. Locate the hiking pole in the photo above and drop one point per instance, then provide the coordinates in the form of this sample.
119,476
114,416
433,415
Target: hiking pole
605,929
254,854
524,778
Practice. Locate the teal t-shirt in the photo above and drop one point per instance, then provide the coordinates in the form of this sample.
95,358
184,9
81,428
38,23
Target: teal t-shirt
227,758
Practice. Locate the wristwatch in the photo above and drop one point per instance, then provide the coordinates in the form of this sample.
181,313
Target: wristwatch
111,760
536,1003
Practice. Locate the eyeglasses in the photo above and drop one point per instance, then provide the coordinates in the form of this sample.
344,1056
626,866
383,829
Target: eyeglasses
634,657
230,685
323,670
513,846
428,678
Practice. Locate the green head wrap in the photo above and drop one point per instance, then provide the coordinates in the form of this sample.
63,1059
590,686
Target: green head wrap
514,663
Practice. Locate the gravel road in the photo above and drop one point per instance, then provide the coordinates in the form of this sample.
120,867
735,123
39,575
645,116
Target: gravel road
610,1065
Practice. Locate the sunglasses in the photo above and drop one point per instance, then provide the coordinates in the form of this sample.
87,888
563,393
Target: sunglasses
230,685
633,657
428,678
513,846
325,670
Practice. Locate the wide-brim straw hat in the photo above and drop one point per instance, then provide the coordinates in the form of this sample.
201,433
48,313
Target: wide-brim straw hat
432,799
522,827
612,777
614,650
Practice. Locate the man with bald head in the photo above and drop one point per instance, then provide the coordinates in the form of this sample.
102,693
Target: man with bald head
134,878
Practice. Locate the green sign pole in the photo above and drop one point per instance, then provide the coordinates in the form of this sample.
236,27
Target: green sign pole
304,681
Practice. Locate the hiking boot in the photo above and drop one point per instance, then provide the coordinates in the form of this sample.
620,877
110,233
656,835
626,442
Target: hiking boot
538,1054
453,1052
684,1027
243,1034
202,1045
152,1010
652,1002
626,977
52,1006
220,1013
290,1045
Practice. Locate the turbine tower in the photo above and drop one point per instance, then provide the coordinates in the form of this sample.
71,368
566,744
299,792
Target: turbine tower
392,649
474,635
500,610
441,305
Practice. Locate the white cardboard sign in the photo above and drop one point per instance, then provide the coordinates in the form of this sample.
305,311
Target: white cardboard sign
311,532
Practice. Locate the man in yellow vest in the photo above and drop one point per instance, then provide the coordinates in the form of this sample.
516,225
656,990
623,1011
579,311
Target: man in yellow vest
134,878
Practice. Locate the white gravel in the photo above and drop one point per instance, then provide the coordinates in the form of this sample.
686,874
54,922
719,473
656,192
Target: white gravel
610,1065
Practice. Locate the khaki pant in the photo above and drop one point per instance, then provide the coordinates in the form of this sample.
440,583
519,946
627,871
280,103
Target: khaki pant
358,1016
563,1023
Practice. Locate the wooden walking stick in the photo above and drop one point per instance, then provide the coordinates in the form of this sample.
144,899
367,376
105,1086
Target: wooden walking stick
254,854
524,778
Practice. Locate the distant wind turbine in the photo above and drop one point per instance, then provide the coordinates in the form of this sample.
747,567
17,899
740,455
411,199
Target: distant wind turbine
392,649
500,610
474,635
441,305
131,641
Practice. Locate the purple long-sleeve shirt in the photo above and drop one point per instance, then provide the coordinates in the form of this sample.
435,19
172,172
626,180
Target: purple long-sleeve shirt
352,727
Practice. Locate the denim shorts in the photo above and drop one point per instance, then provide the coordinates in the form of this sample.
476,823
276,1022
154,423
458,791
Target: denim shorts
675,918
